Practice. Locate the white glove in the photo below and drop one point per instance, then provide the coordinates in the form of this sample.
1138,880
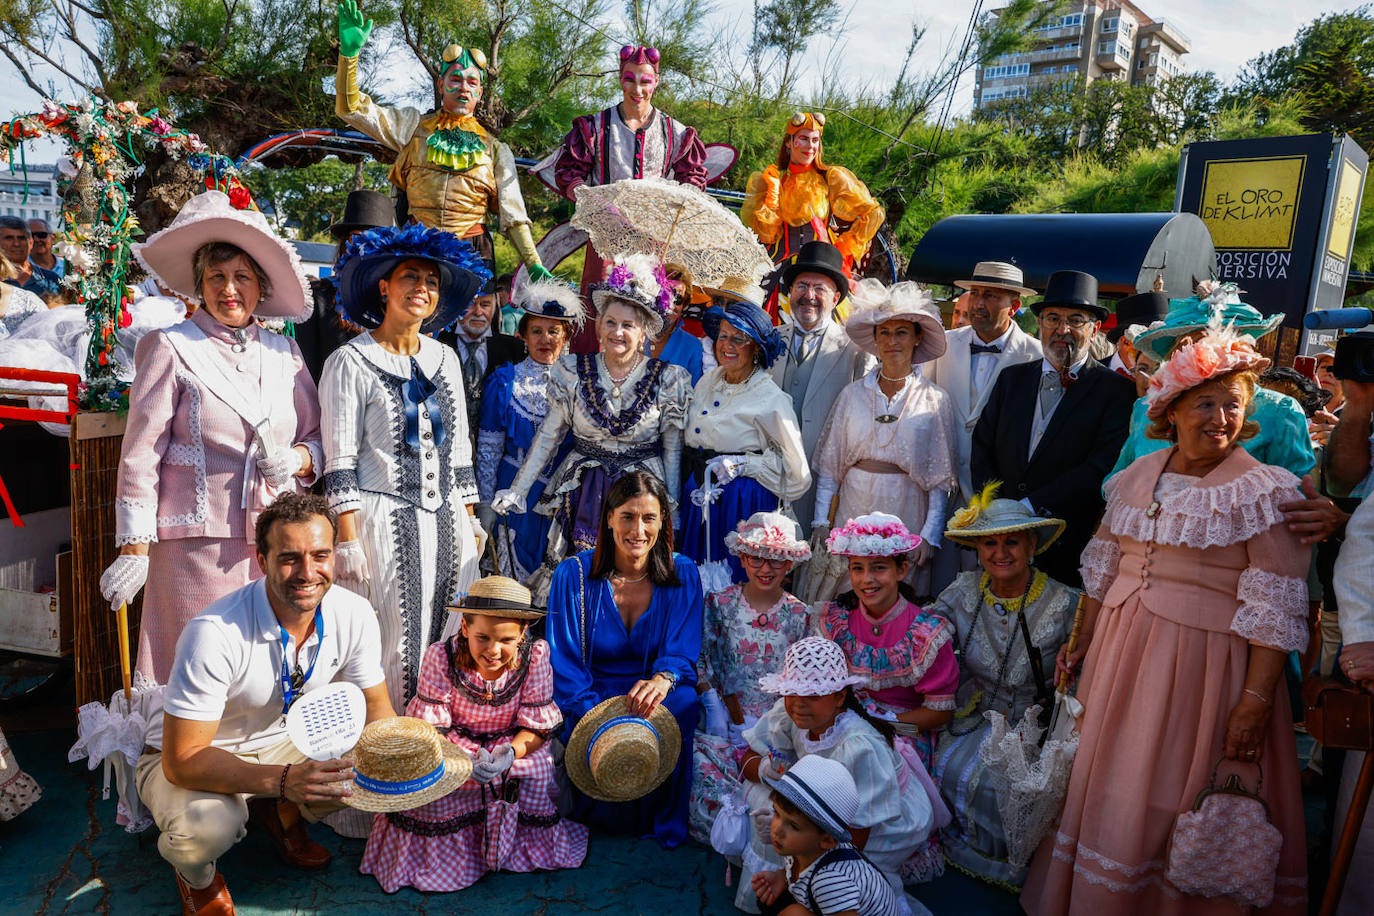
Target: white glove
736,735
279,467
508,501
124,579
481,534
487,766
350,562
763,825
725,468
717,719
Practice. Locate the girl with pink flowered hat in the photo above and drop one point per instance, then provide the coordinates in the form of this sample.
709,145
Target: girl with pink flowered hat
905,652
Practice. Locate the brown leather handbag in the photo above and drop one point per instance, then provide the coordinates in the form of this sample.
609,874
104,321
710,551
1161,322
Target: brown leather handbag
1339,714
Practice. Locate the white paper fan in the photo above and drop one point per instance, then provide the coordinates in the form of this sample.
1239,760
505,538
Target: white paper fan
327,723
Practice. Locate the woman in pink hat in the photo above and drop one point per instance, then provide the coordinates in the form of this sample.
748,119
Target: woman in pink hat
1197,594
223,418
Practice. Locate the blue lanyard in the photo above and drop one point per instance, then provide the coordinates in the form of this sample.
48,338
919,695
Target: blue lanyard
288,695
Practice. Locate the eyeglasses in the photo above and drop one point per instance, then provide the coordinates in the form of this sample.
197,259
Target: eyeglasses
759,562
818,289
738,341
1076,322
40,235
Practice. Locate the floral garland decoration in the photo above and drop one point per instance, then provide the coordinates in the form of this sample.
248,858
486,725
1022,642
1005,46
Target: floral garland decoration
98,224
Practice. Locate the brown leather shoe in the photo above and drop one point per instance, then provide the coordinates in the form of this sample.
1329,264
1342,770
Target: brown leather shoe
213,900
293,843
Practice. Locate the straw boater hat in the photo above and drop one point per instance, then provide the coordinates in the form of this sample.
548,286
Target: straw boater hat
401,763
998,275
1214,305
770,535
614,756
824,790
875,304
812,667
373,254
874,535
1215,353
170,253
637,280
498,596
737,289
552,299
985,515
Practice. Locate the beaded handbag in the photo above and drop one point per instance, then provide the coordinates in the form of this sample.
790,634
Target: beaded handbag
1226,846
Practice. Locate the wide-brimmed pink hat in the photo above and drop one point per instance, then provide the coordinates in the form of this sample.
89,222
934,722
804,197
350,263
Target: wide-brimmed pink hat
874,535
1215,353
770,535
170,253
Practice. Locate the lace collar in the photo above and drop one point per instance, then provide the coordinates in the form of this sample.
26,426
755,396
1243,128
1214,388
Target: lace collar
530,390
1235,501
838,730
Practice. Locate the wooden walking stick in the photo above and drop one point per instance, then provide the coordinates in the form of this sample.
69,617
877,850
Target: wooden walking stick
1061,681
1350,834
122,622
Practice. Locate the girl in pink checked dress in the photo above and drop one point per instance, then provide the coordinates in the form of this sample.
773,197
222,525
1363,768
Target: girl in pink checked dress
489,690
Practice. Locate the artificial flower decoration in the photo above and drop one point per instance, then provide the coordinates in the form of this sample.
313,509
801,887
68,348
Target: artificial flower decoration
976,506
874,535
1217,352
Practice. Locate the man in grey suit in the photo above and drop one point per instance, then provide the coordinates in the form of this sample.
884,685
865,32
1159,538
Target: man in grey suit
820,359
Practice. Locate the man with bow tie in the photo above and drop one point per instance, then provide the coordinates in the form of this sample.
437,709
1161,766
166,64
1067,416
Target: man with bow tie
1052,429
820,359
981,349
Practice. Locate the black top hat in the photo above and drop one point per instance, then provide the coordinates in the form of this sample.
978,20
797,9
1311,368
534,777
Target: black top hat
1072,289
1142,308
818,257
364,210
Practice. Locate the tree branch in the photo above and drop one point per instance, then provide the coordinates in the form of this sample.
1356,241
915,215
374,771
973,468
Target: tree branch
23,70
38,52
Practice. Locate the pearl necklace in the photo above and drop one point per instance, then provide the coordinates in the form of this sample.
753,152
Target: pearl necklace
617,383
886,418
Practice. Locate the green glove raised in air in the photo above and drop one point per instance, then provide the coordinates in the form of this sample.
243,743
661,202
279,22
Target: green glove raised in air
539,273
353,31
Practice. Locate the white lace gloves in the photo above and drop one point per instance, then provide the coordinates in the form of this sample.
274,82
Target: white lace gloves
124,579
279,467
763,822
350,564
480,533
736,735
725,468
487,766
507,501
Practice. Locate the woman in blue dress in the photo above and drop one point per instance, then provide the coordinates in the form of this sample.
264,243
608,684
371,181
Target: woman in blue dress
744,448
514,403
625,619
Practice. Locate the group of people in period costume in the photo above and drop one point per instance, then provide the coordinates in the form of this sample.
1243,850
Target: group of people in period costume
771,575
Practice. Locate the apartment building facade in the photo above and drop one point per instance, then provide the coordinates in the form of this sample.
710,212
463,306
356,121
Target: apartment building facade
30,194
1100,39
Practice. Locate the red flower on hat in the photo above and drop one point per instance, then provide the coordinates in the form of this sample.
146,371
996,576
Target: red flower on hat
239,198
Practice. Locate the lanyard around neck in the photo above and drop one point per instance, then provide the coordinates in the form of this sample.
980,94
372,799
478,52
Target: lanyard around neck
288,694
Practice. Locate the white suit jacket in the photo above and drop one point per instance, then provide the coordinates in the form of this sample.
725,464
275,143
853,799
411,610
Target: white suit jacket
952,372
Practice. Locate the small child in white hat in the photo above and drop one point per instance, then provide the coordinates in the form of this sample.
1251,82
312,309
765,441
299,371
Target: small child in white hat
813,805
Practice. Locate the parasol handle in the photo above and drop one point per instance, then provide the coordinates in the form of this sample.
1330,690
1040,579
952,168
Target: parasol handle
671,230
1062,680
122,622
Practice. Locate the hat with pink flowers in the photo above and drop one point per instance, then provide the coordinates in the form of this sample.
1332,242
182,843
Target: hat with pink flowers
874,535
1215,353
770,535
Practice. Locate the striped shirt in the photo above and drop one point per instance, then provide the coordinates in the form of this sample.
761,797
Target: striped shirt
835,883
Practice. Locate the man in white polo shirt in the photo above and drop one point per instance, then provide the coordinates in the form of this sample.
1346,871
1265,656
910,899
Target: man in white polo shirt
239,666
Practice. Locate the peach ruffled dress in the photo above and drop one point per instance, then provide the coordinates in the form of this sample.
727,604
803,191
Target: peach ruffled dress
1191,572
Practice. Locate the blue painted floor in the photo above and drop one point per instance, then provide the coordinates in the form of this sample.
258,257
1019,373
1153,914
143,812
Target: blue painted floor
66,855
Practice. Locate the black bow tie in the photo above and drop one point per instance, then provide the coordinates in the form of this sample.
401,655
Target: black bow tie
974,349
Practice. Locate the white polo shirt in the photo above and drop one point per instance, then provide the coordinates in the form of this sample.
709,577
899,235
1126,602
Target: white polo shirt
229,661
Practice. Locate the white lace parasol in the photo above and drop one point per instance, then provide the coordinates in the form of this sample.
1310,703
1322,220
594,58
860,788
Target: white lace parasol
1030,780
676,222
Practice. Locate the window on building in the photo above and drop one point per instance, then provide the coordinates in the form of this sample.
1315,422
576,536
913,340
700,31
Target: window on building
1070,68
1106,47
1109,25
1144,41
1140,64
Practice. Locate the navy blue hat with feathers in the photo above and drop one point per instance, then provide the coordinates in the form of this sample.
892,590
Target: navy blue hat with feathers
748,319
373,254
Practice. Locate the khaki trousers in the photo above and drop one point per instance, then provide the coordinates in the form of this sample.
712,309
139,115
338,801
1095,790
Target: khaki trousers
199,827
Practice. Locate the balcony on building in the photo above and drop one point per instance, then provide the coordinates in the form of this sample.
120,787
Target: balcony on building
1112,54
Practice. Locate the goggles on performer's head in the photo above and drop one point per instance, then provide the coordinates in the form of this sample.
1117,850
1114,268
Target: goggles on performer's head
639,54
805,120
462,58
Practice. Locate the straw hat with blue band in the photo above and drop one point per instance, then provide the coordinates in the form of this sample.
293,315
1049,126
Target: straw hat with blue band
614,756
498,596
401,763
